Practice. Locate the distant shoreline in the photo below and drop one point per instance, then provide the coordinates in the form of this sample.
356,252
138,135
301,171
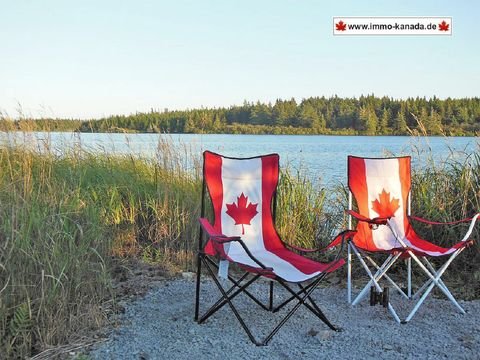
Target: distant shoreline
366,115
229,133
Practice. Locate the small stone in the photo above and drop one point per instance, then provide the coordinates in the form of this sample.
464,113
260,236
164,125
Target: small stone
188,275
387,347
312,332
324,335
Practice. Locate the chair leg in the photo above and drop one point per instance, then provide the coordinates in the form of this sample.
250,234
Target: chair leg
349,274
197,289
436,277
440,281
389,279
232,307
285,302
315,306
307,291
434,280
222,301
409,277
227,296
301,301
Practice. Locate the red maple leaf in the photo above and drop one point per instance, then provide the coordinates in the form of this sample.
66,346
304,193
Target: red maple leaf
341,26
385,207
443,26
242,213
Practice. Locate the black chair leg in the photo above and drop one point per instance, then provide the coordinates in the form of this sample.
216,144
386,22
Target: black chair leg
197,290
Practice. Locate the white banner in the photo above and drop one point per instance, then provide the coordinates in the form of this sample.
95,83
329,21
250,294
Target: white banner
389,25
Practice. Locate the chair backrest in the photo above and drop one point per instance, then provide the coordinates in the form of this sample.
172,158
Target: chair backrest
241,190
381,188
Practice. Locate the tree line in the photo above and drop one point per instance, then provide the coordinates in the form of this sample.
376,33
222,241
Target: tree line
366,115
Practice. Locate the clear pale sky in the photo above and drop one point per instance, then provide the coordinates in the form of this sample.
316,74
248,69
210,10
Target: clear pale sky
94,58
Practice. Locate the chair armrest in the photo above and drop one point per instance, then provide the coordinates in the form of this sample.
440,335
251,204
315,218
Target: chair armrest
215,235
430,222
466,237
300,249
374,221
221,239
338,240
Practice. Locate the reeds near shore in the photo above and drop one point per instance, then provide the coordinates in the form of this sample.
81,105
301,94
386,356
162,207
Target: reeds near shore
63,218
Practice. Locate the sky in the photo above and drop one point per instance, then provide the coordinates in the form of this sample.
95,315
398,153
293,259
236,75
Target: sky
95,58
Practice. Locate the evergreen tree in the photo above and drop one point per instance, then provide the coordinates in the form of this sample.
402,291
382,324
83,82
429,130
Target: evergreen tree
308,116
382,127
400,124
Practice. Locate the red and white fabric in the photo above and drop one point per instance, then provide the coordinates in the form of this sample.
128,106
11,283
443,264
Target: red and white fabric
241,191
381,188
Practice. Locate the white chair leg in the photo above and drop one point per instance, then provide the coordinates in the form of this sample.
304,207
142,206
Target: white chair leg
434,280
349,274
409,277
435,272
419,302
392,311
420,291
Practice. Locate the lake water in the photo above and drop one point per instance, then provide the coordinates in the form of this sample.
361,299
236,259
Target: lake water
321,158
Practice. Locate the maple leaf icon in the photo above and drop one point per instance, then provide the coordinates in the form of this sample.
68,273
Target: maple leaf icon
385,207
443,26
241,212
341,26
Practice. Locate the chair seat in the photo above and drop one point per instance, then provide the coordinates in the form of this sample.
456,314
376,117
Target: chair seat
421,247
286,264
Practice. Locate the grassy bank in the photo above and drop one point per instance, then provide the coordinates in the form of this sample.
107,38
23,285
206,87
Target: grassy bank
64,221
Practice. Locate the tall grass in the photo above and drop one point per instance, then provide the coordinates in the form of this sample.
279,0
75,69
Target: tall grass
54,269
62,220
65,217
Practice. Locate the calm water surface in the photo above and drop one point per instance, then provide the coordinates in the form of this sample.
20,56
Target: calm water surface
321,158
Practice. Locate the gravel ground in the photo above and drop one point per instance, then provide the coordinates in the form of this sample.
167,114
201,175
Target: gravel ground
160,326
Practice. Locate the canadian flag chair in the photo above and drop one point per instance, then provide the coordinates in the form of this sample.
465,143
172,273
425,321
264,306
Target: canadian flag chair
381,188
243,192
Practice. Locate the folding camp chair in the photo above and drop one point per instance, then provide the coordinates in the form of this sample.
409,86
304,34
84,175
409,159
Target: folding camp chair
243,194
381,188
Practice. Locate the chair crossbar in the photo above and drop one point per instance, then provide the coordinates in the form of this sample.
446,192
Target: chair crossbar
433,271
301,301
390,280
222,301
280,306
238,282
319,311
373,278
314,309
